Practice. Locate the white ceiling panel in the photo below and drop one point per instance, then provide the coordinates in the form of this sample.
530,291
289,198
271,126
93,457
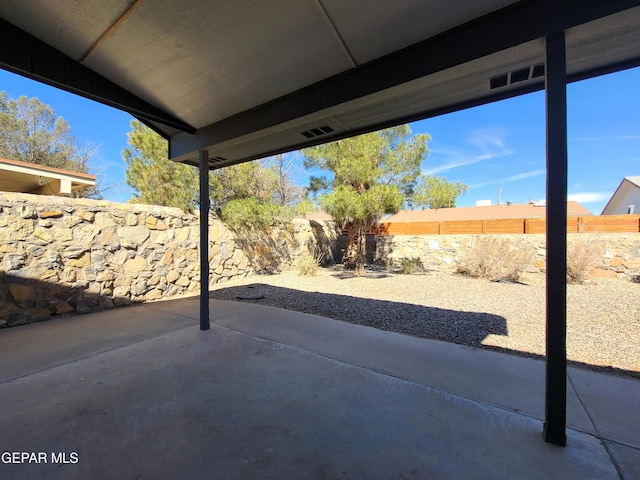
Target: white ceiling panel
71,26
378,27
220,57
248,78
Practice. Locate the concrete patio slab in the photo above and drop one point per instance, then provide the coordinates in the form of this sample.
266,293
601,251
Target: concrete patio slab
321,399
506,381
613,403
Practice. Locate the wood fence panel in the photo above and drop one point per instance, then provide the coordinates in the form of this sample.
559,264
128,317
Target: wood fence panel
611,223
399,228
462,227
504,225
539,225
601,223
423,228
572,224
535,225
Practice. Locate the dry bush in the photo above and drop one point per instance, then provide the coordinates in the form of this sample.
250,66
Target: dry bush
496,257
410,265
308,264
583,253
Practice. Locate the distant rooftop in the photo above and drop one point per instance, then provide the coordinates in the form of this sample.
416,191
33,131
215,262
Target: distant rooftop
318,216
17,176
634,179
526,210
490,212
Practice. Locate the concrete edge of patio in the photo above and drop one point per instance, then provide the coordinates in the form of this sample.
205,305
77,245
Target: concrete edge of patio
600,405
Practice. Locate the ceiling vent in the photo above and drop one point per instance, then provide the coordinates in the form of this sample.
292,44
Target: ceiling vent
517,76
217,159
317,132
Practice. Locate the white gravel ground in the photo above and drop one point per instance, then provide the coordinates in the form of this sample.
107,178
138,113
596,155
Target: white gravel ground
603,316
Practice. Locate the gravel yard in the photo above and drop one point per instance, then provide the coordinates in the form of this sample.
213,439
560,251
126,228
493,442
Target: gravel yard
603,317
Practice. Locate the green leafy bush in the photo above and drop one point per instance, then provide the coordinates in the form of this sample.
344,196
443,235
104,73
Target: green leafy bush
410,265
249,213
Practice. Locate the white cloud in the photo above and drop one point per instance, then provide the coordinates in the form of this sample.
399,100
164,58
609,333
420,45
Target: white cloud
513,178
459,162
589,197
490,141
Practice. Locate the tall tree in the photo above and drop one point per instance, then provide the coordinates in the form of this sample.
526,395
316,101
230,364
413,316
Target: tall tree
372,176
286,193
31,132
156,179
437,192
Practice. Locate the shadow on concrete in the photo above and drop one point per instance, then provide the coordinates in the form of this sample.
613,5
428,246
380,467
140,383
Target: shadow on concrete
26,300
469,328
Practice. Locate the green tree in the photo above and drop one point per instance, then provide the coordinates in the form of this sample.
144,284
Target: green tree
372,176
241,181
156,179
31,132
437,192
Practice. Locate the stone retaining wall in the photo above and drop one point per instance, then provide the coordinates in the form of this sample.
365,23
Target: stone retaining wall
60,255
618,254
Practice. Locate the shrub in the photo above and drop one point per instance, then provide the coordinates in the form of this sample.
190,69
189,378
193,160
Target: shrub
308,264
583,252
494,257
410,265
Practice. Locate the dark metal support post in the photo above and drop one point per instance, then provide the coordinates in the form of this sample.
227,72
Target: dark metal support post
203,161
556,327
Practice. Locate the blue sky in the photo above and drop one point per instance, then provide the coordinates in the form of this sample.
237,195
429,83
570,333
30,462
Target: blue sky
487,147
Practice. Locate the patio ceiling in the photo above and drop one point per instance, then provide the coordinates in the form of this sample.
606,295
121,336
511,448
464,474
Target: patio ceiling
247,79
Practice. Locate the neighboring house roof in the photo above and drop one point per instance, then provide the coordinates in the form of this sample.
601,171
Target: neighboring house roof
16,176
318,216
527,210
627,193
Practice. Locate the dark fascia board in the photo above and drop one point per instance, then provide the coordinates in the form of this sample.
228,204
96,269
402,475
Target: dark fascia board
24,54
490,98
494,97
511,26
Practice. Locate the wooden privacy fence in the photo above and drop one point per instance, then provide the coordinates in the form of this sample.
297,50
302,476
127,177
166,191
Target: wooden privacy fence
601,223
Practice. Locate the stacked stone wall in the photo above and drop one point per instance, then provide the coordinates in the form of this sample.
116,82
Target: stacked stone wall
61,256
617,254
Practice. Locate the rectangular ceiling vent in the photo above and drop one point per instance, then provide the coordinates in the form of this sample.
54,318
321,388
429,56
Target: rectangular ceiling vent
517,76
217,159
316,132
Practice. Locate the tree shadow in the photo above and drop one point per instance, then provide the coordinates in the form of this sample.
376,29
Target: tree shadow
453,326
25,300
328,247
465,328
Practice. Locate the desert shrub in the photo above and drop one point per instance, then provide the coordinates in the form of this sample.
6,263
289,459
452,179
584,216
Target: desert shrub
410,265
495,257
308,264
583,253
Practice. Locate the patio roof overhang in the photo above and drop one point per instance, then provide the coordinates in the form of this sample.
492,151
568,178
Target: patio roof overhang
245,79
232,81
16,176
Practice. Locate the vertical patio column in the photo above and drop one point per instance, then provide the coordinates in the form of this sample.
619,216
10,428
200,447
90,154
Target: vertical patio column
556,299
203,163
